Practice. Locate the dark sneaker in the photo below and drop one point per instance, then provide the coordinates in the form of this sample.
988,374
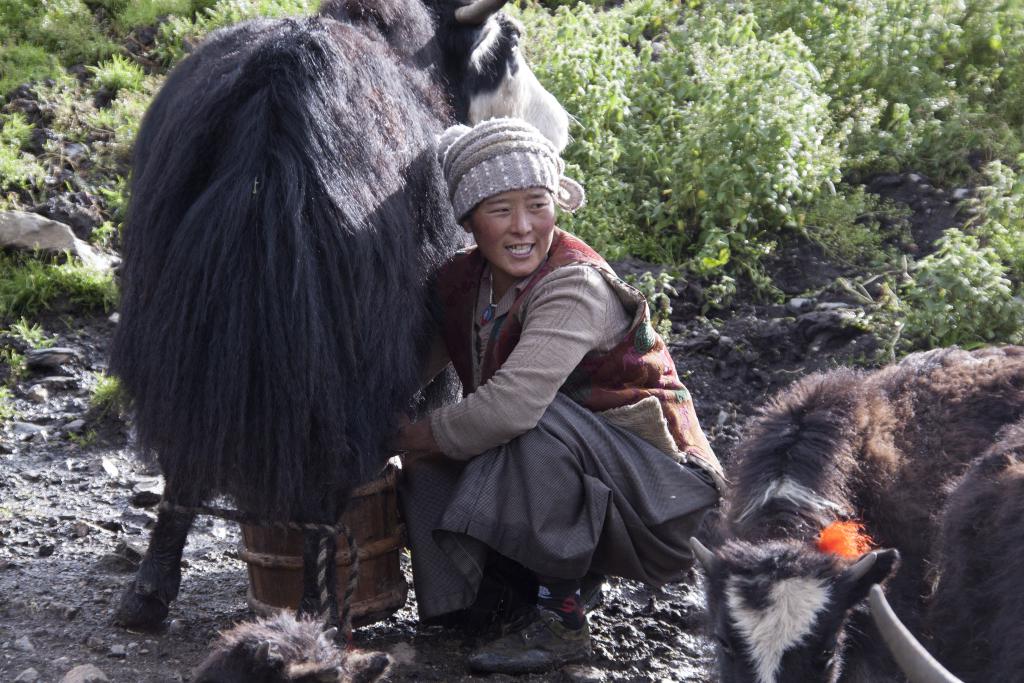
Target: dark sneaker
541,644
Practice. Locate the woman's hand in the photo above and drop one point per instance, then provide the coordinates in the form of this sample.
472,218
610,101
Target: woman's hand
414,437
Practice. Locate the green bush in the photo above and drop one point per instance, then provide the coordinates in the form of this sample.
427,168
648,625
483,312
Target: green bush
999,223
961,295
909,70
697,139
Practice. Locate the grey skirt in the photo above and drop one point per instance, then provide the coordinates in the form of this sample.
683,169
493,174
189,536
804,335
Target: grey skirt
574,494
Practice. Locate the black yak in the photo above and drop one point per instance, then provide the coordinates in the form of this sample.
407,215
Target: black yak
974,620
870,448
287,212
286,650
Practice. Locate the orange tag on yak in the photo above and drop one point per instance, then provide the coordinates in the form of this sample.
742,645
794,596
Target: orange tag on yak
846,539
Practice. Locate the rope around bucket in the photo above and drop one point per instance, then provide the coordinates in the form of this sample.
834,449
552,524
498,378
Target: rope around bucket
325,530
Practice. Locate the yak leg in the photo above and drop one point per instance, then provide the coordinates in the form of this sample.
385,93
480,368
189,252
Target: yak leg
314,604
145,602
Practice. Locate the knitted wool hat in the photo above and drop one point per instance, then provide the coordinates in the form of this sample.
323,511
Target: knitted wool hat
499,155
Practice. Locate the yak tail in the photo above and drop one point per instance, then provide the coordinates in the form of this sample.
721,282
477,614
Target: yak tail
285,213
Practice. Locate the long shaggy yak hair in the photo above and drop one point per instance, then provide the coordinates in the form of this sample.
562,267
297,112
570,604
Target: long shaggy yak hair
286,211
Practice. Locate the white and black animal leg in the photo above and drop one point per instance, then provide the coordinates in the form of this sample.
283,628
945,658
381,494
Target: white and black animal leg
319,577
146,601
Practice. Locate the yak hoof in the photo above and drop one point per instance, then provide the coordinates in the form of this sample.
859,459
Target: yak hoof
140,610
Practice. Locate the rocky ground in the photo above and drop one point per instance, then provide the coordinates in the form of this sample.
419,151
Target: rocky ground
76,505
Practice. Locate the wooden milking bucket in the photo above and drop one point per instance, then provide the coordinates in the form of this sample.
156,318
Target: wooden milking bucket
274,557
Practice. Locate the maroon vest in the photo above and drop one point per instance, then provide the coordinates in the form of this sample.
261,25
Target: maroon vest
637,367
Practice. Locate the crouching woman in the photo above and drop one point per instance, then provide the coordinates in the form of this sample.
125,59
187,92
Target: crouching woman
575,450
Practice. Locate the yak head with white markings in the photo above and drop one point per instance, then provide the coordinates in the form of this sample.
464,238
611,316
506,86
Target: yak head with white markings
780,611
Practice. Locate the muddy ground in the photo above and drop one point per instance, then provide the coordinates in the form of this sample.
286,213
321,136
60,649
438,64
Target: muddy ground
76,505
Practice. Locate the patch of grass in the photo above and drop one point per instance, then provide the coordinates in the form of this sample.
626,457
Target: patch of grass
30,333
118,124
147,12
17,168
179,33
83,440
108,398
29,286
68,29
7,411
846,225
23,63
15,362
117,73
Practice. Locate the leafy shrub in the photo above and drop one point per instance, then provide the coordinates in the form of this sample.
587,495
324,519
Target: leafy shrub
960,295
901,76
658,290
999,223
697,139
116,74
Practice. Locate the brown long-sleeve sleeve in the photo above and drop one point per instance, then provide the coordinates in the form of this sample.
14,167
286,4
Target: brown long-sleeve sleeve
569,313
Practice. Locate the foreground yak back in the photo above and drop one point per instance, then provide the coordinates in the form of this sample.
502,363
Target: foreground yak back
835,487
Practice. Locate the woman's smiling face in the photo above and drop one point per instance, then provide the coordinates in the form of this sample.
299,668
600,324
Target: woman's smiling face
513,231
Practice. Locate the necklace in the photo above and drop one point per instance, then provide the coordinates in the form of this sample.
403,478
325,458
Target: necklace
488,314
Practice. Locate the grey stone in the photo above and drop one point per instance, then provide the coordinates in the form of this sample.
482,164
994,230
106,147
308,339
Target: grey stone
75,426
30,231
37,393
582,674
799,304
832,306
961,193
147,491
23,431
23,644
57,383
29,675
85,673
38,359
117,651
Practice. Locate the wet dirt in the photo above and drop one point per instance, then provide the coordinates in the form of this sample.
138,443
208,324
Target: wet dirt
76,505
